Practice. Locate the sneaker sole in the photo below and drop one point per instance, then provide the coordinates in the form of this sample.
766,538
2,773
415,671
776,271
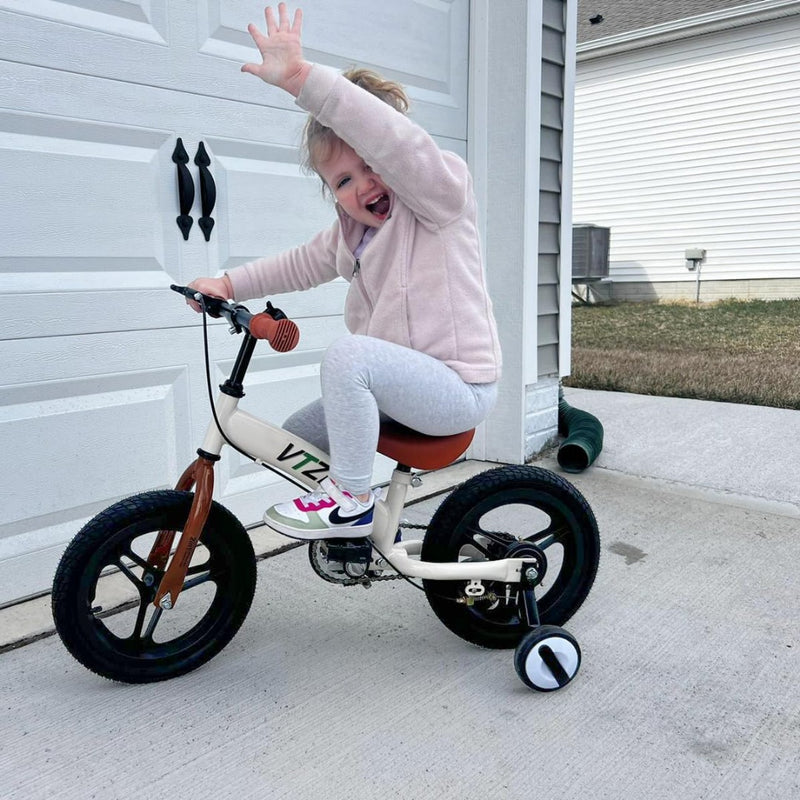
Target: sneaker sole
349,532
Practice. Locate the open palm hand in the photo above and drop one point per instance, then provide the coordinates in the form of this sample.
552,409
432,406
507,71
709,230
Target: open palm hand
282,62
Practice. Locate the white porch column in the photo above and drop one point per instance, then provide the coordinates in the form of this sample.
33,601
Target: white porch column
504,153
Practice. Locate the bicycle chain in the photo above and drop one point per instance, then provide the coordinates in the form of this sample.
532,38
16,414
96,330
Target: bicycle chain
394,574
370,577
367,579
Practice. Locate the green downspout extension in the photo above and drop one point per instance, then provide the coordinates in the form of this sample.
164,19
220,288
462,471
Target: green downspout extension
584,436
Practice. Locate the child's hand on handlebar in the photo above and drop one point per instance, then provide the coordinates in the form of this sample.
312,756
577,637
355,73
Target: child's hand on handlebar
215,287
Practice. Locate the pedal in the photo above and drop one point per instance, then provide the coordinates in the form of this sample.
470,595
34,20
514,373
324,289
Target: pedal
343,561
349,551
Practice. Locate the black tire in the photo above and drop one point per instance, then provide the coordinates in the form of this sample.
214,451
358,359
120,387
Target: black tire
487,517
111,625
547,658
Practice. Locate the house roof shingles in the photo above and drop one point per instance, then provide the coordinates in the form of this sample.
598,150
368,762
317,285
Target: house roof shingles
623,16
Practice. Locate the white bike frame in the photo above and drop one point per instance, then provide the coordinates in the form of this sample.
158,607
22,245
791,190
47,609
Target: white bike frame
302,463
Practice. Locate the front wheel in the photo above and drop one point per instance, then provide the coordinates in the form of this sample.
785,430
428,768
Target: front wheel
513,512
104,589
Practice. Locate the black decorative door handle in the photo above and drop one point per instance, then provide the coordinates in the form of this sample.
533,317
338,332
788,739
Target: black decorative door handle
185,188
208,190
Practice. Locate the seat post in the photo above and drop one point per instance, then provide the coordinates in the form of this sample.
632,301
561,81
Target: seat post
389,510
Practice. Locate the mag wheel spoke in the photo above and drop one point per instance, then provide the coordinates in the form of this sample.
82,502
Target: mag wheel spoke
137,559
130,575
197,581
148,634
553,534
488,543
141,615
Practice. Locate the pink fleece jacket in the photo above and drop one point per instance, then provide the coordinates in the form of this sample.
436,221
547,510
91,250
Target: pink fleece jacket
420,280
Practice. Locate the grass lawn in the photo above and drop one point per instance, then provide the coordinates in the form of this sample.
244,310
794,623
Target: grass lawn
734,351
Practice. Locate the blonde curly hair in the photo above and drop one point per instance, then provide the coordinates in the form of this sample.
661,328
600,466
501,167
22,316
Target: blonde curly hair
320,142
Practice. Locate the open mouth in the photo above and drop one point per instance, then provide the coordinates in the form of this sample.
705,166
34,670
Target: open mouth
380,206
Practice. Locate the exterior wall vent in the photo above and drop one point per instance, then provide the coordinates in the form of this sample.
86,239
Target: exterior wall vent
589,253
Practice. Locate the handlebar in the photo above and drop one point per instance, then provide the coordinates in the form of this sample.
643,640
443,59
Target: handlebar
271,324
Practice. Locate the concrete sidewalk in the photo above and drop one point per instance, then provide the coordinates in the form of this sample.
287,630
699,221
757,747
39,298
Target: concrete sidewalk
688,687
749,451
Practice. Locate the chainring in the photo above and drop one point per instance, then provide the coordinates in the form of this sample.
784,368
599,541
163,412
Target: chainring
344,573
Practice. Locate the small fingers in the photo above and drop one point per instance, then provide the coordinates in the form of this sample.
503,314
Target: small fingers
283,16
270,17
298,22
283,21
258,37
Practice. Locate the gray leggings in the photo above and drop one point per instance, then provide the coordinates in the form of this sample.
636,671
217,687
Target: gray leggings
365,379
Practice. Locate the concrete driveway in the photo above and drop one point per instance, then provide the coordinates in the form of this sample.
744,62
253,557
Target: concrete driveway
688,689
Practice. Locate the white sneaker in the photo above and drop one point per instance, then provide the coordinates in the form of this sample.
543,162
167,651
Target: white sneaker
329,513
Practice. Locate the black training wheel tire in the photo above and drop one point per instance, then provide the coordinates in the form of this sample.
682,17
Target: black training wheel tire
496,512
547,658
113,628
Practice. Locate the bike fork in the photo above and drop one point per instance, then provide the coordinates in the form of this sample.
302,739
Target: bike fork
200,474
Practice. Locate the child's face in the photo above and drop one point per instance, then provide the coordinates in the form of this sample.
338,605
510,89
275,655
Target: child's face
359,191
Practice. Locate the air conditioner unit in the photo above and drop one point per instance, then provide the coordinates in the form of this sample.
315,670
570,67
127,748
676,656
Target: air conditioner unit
589,253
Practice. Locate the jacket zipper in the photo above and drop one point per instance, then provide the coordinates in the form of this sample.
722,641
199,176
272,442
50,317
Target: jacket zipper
360,283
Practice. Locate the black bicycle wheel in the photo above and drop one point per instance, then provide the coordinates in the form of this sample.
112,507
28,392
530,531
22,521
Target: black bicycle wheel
104,589
513,511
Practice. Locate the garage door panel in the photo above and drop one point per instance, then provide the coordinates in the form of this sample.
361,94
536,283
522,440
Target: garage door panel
78,428
126,39
87,201
428,53
145,20
32,315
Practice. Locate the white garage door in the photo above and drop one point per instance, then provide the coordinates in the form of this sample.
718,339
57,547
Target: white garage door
102,391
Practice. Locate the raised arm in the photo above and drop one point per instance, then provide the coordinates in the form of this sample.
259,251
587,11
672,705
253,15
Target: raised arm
434,184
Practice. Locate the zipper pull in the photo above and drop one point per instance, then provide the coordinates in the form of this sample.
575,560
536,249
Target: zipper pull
356,268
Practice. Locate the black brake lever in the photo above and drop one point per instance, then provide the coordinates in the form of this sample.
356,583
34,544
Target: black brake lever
275,313
213,305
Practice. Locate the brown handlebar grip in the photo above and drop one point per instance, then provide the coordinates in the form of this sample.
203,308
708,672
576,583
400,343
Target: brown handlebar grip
282,334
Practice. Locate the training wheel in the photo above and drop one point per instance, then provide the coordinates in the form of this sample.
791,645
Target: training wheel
547,658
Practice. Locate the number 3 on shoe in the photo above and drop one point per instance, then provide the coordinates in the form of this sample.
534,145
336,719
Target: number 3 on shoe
329,513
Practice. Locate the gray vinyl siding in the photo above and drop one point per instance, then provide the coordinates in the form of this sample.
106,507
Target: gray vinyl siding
552,121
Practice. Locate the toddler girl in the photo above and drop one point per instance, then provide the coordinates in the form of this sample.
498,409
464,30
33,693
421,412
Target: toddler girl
423,347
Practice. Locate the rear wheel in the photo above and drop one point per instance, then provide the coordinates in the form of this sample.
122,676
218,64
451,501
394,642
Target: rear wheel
104,589
520,512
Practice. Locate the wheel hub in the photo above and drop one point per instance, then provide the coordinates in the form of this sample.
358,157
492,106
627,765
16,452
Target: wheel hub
530,552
